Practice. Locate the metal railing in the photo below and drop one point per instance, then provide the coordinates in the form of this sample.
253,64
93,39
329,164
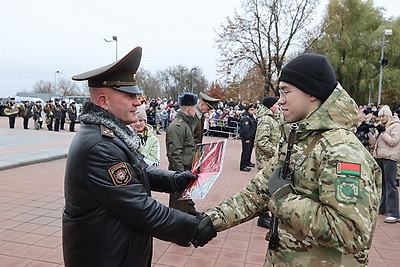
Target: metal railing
221,128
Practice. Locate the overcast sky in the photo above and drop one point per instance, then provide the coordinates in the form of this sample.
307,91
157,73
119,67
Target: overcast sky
40,37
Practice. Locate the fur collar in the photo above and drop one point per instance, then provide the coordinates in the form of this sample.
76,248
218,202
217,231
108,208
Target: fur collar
93,114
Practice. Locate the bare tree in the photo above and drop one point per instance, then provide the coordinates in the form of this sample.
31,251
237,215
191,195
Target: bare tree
179,79
150,85
66,87
261,36
44,87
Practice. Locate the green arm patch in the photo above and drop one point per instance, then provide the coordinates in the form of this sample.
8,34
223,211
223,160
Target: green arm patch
347,189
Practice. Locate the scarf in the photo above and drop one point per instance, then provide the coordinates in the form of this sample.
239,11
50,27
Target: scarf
93,114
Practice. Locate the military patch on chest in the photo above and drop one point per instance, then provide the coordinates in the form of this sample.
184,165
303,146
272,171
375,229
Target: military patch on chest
347,189
120,174
348,168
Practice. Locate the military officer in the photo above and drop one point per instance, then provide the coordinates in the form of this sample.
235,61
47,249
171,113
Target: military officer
57,114
26,113
11,118
180,144
37,115
72,116
248,126
327,209
205,105
109,217
49,111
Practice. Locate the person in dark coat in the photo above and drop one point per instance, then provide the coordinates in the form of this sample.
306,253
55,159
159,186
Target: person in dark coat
26,113
109,217
72,116
57,115
11,118
49,111
248,128
37,115
64,110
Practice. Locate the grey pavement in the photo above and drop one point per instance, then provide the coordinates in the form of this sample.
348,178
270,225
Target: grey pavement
20,147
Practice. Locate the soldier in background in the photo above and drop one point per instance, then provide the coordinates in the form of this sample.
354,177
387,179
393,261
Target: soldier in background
267,141
57,115
72,116
64,109
37,115
26,113
248,127
49,111
327,210
180,145
11,118
205,105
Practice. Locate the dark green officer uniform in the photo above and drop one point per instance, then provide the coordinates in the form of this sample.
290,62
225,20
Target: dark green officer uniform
180,152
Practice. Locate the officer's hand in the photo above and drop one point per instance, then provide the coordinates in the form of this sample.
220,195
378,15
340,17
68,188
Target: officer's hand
205,231
380,128
182,180
276,182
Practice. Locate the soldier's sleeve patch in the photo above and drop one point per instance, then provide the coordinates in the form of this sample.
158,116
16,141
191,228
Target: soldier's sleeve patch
347,189
348,168
120,174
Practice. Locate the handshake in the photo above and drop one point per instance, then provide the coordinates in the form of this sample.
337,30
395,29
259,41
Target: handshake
205,231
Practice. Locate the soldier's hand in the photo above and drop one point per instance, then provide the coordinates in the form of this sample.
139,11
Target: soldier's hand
276,181
183,179
205,231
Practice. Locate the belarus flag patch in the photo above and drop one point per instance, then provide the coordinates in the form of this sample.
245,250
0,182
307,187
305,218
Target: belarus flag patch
348,168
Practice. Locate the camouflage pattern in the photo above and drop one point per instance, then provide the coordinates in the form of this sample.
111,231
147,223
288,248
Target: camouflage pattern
267,136
317,225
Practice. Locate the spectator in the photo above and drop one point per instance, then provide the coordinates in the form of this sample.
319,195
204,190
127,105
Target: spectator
386,143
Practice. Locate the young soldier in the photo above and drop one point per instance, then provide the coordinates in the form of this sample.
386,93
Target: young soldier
326,194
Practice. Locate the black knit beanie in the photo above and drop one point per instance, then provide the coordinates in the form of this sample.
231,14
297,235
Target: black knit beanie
311,73
269,101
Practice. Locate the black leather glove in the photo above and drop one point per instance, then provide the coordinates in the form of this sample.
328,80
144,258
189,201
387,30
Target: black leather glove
205,231
182,179
276,182
380,128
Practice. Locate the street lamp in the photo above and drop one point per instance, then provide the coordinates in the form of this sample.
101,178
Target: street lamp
383,61
55,78
191,74
114,39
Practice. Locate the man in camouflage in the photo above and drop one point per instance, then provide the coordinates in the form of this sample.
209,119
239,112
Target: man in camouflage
327,213
267,140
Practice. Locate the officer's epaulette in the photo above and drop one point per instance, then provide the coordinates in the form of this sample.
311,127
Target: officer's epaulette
106,132
179,122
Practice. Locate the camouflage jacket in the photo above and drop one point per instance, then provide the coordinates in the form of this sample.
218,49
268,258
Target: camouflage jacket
267,136
330,218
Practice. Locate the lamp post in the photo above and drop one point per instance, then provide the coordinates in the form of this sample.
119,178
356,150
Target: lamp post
191,74
114,39
382,62
55,78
